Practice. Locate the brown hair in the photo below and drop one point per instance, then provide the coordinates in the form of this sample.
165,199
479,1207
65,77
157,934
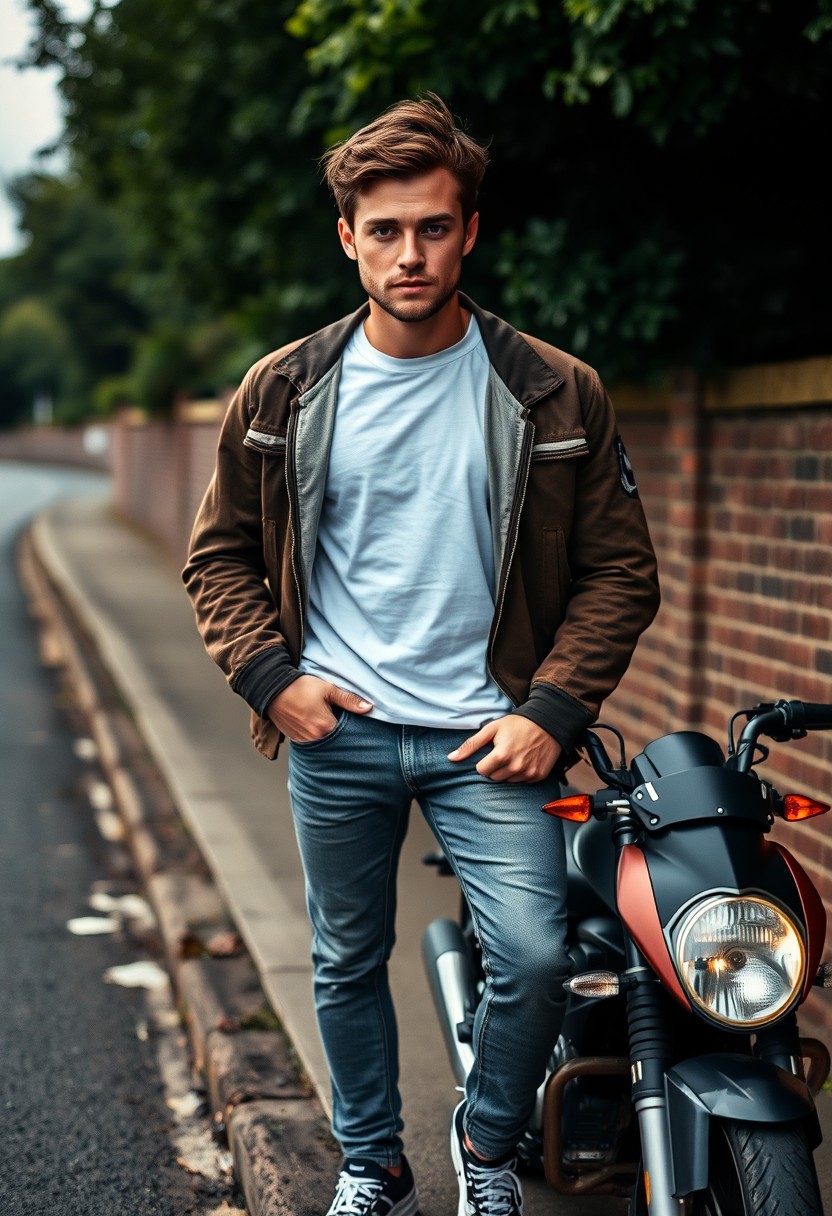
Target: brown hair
409,137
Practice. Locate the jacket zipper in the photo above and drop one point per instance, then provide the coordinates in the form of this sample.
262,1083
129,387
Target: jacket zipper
294,513
514,528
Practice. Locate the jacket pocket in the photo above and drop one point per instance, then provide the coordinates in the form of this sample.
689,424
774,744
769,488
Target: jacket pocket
270,557
272,448
555,576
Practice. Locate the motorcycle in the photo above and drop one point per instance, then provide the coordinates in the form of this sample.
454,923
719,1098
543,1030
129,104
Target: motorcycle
680,1080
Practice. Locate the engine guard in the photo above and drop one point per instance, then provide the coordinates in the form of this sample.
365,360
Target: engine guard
615,1179
727,1086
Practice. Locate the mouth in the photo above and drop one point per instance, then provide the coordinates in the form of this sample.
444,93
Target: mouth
411,284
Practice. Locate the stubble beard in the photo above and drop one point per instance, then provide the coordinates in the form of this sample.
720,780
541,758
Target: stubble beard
408,311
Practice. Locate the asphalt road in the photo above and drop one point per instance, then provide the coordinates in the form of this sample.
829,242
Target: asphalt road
99,1113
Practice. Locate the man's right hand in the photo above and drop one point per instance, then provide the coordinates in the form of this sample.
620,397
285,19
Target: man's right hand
303,710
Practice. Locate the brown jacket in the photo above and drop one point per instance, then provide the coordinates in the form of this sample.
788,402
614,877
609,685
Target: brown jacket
576,582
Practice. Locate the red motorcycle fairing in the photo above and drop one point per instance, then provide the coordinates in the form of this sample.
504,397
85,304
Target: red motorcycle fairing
814,916
637,908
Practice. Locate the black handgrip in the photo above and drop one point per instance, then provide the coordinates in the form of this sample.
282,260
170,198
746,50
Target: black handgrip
782,721
815,716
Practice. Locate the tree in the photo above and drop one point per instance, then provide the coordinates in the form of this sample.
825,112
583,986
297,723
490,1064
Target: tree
35,359
179,117
69,280
648,160
646,204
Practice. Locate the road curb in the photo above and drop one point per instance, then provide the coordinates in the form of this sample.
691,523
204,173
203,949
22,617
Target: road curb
260,1099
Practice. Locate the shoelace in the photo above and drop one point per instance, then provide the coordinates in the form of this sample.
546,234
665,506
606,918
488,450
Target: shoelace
354,1196
495,1190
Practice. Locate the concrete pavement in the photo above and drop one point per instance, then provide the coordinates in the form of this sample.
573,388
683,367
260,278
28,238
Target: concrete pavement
128,598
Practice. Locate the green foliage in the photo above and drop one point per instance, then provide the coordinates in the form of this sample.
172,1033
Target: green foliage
111,394
35,343
163,369
67,291
651,197
644,202
34,358
361,47
555,283
178,114
173,363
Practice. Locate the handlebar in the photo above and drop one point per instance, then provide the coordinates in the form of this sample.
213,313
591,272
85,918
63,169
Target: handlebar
600,760
781,721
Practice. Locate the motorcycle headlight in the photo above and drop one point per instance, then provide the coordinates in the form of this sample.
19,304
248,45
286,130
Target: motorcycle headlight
741,959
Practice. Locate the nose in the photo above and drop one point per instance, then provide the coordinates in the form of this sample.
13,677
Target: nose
410,254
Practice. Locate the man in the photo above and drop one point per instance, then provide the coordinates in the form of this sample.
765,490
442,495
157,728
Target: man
423,561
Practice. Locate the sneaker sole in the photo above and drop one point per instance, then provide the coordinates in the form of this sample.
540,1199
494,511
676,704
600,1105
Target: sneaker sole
456,1158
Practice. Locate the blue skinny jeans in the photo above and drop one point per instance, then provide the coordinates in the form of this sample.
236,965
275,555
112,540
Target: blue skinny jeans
351,793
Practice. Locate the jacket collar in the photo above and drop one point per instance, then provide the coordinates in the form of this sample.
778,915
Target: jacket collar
519,366
525,374
312,358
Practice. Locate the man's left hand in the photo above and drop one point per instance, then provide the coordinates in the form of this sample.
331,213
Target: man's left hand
522,751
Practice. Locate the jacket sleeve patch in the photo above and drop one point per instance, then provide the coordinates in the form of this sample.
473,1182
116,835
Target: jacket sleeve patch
625,469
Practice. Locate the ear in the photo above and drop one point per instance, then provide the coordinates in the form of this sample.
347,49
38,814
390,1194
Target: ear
347,239
471,230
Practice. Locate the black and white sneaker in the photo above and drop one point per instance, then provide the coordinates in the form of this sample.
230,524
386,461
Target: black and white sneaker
485,1189
366,1188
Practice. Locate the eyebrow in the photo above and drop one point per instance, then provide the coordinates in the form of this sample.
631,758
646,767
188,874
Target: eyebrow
389,222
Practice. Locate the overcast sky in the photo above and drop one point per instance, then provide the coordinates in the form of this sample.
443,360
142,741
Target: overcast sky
30,113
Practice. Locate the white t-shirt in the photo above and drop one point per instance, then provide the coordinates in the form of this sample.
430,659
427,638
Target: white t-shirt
402,589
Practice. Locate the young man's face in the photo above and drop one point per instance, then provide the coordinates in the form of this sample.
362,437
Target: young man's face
409,239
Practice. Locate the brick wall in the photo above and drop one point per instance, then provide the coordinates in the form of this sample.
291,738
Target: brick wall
740,509
86,446
161,470
739,502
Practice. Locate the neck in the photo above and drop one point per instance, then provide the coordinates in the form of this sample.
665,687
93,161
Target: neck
414,339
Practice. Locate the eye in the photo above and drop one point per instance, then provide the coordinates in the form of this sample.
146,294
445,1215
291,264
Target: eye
382,231
435,229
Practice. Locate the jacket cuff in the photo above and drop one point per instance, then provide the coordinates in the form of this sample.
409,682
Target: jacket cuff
264,677
559,714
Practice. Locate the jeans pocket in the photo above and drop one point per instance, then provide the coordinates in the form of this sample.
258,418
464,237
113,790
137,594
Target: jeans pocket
341,720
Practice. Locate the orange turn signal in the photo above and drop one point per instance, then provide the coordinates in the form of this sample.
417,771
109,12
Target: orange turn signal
578,808
798,806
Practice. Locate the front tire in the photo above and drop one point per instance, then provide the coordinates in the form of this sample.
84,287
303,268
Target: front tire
755,1169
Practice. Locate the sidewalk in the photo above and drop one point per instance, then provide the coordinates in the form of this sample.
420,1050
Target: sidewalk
127,596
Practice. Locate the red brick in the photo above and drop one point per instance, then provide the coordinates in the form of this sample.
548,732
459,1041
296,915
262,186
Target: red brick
819,499
820,435
818,562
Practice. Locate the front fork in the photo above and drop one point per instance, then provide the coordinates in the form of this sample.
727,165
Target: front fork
649,1060
650,1057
